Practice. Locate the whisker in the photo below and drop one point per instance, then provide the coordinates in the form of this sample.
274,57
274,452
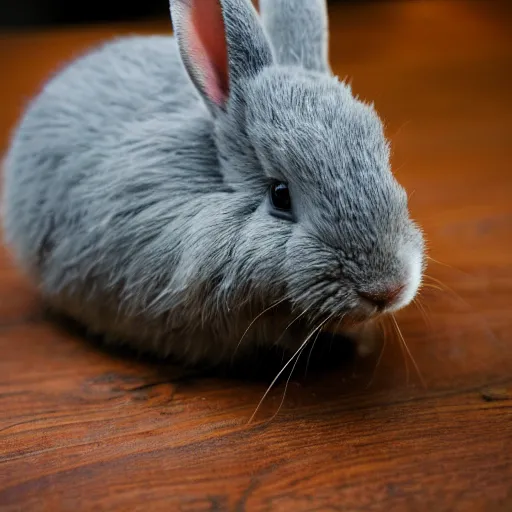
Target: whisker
426,312
382,328
404,355
340,319
448,266
447,288
402,126
409,352
303,344
286,386
335,330
423,312
465,274
256,318
434,287
310,352
291,323
467,305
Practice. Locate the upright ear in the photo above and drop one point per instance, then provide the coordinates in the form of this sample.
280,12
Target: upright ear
298,31
221,43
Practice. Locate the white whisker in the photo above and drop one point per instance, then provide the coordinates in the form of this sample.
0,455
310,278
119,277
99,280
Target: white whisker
303,344
286,386
256,318
408,352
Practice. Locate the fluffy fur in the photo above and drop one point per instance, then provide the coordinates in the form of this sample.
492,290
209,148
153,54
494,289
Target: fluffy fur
298,32
137,198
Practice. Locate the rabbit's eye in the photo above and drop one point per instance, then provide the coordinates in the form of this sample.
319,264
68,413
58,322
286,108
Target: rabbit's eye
280,196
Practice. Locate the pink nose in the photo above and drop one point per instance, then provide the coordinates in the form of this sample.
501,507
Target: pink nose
383,298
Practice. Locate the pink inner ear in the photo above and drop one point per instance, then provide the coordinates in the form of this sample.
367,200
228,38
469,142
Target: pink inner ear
208,48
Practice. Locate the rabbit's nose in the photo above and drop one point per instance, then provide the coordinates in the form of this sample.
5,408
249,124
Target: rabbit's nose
383,298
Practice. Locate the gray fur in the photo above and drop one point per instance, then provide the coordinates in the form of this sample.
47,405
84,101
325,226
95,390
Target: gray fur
298,30
145,217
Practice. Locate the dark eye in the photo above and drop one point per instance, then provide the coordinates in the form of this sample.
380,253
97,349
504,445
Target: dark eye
280,196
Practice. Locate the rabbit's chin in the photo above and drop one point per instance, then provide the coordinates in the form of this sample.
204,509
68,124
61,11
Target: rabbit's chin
366,338
364,334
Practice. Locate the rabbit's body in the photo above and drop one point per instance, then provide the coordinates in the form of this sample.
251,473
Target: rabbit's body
140,203
111,166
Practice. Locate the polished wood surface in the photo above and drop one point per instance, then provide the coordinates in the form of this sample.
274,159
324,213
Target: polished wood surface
86,429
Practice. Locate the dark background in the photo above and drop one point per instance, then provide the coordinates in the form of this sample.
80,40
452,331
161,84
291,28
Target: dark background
29,13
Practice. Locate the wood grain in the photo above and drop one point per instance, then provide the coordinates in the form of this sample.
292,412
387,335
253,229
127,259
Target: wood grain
86,429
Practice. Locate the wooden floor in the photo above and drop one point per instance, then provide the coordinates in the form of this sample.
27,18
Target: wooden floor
85,429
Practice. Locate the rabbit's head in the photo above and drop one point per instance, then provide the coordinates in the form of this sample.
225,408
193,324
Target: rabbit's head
307,162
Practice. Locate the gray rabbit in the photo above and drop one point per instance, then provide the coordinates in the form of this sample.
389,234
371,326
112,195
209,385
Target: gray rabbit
205,194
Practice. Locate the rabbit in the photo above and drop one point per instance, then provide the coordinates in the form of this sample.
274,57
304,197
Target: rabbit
203,195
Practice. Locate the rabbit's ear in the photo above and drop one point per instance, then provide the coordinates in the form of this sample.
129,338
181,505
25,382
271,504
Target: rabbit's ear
298,31
221,43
